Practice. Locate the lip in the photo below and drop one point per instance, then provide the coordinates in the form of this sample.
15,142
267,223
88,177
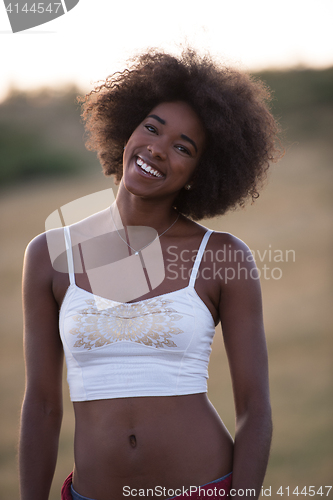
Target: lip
151,164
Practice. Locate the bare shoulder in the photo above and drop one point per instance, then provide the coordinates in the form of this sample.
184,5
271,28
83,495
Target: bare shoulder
38,246
231,250
220,239
36,254
40,252
46,251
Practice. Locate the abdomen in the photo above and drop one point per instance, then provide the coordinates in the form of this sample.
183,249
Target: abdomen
173,442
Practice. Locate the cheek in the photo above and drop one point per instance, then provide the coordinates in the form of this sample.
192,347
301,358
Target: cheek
191,168
129,148
184,176
136,140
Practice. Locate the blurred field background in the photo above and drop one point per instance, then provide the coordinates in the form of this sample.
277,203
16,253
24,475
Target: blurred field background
43,165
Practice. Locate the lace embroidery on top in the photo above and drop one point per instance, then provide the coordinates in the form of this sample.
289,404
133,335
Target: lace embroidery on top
150,322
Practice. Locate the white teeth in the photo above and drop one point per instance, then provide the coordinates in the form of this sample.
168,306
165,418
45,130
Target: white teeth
147,168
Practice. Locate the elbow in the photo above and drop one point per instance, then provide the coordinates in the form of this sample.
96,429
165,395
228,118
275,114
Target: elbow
52,411
257,414
43,408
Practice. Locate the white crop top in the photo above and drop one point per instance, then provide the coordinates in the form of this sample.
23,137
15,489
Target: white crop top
154,347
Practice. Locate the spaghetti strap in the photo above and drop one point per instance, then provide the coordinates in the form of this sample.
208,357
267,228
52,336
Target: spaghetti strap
69,251
200,253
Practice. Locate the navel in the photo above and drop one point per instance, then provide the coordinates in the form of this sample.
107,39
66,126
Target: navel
132,440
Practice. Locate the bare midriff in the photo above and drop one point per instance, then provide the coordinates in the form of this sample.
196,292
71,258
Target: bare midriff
144,442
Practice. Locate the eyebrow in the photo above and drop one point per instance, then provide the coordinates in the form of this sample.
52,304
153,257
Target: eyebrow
190,140
183,136
157,118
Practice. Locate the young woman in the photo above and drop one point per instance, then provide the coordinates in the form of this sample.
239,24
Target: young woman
186,139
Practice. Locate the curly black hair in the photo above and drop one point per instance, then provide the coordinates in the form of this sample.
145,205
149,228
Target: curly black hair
241,133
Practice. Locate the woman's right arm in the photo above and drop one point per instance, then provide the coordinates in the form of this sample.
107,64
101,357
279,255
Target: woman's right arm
42,406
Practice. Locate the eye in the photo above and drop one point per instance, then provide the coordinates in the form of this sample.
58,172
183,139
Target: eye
182,149
151,128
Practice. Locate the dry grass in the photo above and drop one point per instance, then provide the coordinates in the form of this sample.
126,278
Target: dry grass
293,212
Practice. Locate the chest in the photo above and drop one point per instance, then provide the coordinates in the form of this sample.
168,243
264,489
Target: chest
129,277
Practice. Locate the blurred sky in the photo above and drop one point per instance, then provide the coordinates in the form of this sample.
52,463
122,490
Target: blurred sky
97,36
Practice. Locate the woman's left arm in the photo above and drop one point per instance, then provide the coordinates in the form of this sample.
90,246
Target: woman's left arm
244,338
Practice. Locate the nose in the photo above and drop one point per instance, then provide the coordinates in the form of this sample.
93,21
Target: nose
158,150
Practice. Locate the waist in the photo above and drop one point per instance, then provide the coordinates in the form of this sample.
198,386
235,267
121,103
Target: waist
149,441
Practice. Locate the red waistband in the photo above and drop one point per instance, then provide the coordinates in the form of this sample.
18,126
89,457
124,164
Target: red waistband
66,488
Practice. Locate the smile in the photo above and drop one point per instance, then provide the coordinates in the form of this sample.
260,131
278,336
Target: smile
147,168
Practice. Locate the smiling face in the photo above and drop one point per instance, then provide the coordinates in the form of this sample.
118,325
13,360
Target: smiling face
163,151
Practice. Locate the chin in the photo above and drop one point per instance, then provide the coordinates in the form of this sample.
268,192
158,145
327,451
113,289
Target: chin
136,188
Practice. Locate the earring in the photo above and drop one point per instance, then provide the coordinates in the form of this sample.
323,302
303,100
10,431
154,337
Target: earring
188,186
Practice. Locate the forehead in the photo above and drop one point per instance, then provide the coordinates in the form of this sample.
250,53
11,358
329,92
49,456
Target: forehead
180,116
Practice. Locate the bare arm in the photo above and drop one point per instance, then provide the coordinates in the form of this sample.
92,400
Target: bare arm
244,337
42,406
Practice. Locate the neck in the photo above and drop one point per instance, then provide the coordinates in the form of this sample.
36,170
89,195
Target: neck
137,211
